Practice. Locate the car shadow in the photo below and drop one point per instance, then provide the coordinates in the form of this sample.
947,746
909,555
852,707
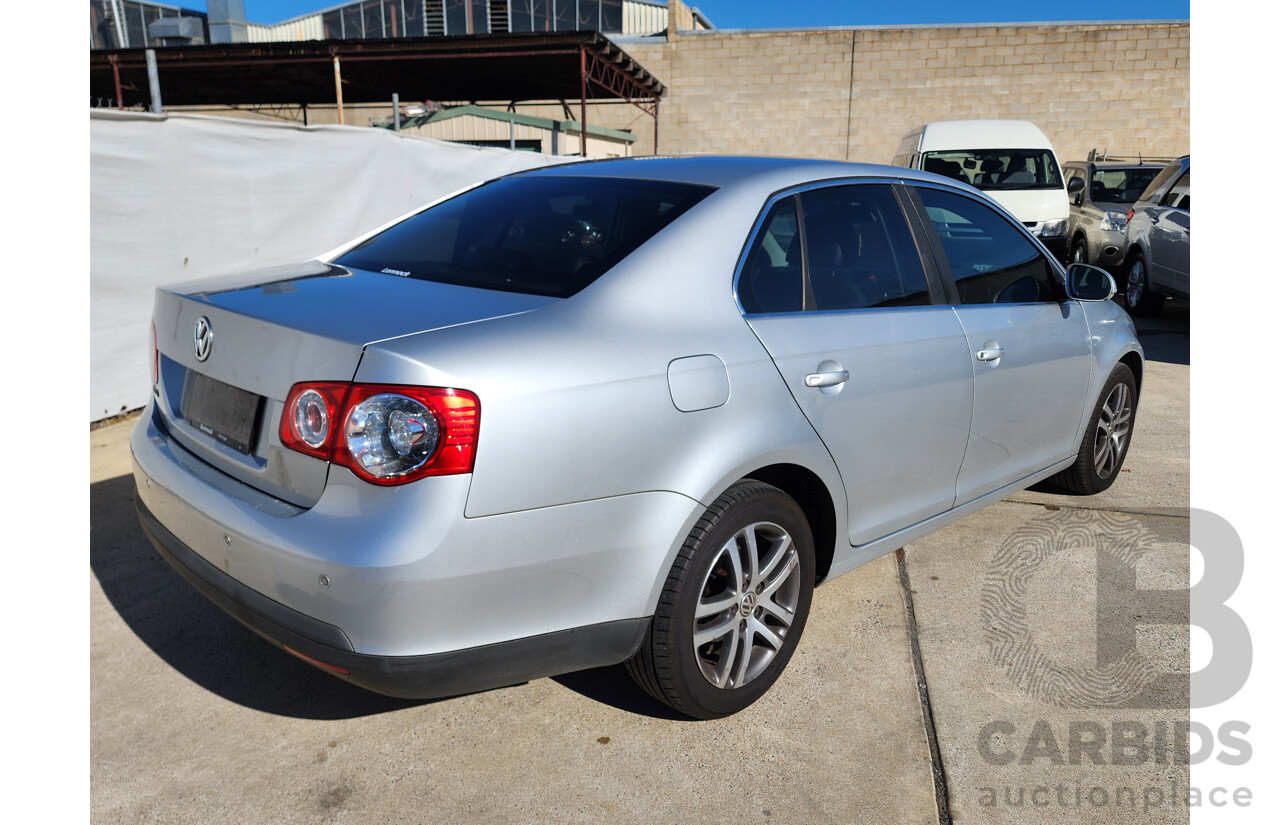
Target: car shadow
197,639
219,654
614,687
1166,337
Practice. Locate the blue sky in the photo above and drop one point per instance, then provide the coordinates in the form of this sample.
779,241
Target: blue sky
751,14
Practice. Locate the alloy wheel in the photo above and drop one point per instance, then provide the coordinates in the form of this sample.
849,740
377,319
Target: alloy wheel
1112,431
747,605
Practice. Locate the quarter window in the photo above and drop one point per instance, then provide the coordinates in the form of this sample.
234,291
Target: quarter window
991,261
772,279
1179,196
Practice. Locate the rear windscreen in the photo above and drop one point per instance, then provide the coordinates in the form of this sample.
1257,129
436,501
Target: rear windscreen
539,235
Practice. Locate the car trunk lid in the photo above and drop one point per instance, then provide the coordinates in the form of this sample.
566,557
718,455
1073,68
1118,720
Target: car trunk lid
269,330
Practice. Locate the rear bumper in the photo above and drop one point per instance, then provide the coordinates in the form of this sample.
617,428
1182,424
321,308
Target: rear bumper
398,587
411,677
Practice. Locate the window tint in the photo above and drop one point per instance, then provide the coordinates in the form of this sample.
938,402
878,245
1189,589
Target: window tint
771,279
538,235
1179,196
861,253
991,261
998,168
1158,182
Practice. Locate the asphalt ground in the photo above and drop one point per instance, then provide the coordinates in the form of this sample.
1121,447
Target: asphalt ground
1026,664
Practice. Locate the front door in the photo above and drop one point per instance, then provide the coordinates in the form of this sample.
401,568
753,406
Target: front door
1029,348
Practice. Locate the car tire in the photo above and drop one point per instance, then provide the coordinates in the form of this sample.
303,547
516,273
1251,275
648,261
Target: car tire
733,607
1137,295
1079,252
1106,440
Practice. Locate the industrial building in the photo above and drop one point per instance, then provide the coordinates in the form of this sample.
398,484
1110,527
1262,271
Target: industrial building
124,24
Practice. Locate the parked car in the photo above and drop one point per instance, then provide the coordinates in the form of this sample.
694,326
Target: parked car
620,411
1010,160
1100,195
1158,241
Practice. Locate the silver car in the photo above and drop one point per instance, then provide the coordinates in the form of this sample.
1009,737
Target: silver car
1158,241
628,411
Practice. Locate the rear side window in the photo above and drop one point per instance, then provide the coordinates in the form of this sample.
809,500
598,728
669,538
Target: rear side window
856,245
991,261
861,253
539,235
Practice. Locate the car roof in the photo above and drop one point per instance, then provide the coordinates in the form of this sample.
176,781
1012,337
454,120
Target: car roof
982,134
734,172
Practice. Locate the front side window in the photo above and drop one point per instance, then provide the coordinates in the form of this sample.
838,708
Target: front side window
991,261
540,235
993,169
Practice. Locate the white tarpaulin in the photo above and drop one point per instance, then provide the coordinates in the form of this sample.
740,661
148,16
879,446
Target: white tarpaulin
179,197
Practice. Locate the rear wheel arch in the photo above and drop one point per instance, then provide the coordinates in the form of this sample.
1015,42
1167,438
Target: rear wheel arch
808,491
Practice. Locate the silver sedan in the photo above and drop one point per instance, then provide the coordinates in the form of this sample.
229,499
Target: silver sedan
629,411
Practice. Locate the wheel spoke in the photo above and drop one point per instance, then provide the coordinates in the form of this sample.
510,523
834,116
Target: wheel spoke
706,608
762,630
771,587
777,611
728,657
781,549
743,653
735,561
716,631
753,556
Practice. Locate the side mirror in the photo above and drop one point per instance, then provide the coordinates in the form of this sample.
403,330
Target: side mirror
1077,199
1075,185
1089,283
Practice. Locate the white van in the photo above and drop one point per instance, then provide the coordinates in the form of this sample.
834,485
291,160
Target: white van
1011,160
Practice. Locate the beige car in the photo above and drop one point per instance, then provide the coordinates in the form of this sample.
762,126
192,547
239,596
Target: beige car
1100,195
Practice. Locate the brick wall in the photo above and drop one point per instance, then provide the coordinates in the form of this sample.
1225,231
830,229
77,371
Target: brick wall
1121,87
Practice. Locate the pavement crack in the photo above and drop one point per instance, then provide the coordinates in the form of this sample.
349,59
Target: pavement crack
941,793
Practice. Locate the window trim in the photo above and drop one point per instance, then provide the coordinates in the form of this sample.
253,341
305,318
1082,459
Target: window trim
944,264
932,275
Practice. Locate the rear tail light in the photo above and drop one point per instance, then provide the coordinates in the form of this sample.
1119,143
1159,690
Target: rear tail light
385,434
310,414
155,357
1129,217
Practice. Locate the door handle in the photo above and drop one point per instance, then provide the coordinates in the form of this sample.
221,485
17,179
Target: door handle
992,354
826,379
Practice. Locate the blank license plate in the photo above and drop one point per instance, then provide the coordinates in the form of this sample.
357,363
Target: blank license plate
227,413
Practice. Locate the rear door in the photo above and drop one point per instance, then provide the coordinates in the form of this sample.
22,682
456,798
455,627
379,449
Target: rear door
835,288
1029,348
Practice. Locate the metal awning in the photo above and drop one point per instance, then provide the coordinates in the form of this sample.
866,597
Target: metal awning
575,65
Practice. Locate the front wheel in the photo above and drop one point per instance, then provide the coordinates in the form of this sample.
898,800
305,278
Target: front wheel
1079,252
1106,439
733,607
